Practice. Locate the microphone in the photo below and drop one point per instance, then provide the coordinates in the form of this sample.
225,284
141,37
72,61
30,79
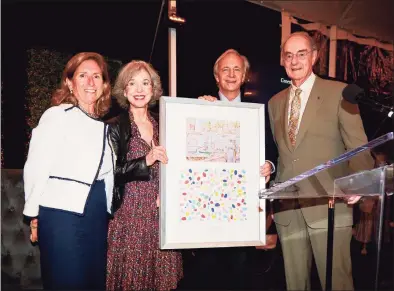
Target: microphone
354,94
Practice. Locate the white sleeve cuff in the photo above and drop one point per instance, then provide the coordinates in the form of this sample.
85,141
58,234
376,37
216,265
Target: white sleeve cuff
273,169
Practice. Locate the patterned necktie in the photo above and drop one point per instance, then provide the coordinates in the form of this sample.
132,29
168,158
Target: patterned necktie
294,116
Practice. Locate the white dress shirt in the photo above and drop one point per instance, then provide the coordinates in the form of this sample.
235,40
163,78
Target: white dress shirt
224,98
238,100
306,88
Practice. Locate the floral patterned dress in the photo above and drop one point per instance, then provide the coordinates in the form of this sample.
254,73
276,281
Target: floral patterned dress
135,261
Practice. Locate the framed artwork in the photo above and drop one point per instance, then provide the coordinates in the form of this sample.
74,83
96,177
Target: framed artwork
209,190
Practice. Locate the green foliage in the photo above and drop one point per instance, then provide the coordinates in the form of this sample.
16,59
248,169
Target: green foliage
44,71
114,67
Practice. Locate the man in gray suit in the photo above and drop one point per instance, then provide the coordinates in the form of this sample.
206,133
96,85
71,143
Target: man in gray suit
312,124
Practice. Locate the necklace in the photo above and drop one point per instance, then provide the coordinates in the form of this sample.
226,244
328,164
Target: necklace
92,115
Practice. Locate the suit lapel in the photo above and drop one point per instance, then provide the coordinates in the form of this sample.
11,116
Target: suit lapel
313,104
284,107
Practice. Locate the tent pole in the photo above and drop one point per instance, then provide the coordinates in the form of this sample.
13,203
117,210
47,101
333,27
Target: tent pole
172,61
286,26
172,52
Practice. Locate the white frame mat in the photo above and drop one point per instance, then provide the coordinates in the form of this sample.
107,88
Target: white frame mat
209,188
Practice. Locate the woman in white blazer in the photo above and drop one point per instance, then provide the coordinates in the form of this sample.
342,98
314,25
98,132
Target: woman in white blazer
69,177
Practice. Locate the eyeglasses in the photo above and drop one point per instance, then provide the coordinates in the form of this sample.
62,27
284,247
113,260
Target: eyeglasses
288,57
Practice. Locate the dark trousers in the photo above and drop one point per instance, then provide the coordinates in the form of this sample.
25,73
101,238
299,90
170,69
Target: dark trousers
73,247
217,269
233,269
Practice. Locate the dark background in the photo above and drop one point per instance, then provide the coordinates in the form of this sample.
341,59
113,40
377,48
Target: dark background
125,31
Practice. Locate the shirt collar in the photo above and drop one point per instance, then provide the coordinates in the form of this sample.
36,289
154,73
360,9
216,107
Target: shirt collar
224,98
307,85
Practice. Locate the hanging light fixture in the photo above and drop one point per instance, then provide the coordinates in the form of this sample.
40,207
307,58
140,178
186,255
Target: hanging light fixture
172,13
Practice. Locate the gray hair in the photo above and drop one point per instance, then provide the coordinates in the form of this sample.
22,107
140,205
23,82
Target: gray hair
231,51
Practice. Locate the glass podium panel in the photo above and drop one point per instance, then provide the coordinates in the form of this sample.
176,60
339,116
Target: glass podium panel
290,189
366,183
370,185
376,189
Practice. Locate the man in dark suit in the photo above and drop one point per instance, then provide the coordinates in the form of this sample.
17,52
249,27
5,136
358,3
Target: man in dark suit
230,71
312,124
230,268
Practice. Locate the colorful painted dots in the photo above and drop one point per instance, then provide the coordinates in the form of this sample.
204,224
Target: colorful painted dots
213,195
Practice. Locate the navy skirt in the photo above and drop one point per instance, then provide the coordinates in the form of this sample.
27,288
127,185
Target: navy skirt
74,247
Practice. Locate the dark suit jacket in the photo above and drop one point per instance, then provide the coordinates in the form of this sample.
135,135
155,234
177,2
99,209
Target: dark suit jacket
271,152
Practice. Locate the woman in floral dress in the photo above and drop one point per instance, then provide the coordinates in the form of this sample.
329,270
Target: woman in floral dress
135,261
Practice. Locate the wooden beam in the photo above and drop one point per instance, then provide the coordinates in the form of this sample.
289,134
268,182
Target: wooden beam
286,28
333,52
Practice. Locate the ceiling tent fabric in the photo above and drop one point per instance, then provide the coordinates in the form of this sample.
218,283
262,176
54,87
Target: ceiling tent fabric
361,21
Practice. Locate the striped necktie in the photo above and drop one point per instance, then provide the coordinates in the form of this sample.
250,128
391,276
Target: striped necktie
294,116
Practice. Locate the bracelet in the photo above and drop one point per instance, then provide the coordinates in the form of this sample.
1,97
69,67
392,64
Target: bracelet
33,227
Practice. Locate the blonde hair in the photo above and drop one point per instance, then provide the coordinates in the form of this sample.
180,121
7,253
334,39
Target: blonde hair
231,51
127,73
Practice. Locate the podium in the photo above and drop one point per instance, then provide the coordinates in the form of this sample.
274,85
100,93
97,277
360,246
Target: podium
370,184
375,185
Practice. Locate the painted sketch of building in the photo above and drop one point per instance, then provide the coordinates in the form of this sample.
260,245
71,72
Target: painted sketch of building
213,140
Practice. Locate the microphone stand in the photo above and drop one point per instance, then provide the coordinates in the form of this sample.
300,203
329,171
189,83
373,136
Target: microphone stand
330,242
376,106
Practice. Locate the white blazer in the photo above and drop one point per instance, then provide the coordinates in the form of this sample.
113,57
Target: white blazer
65,154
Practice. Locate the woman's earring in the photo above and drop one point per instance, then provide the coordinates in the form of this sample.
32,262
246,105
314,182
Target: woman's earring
71,91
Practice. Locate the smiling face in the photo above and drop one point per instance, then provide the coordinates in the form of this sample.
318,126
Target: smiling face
298,69
230,75
139,89
87,84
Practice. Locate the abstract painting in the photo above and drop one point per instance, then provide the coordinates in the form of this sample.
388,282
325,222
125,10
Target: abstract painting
213,195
